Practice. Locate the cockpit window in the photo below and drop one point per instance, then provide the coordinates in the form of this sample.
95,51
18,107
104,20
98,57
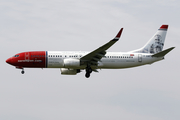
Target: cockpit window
16,56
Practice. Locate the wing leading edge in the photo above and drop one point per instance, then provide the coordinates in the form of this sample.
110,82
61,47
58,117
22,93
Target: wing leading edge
93,57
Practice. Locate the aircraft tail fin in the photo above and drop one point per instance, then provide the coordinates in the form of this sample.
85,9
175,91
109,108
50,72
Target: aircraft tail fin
163,53
156,43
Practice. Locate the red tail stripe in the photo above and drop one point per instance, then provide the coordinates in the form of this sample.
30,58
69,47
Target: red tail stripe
164,27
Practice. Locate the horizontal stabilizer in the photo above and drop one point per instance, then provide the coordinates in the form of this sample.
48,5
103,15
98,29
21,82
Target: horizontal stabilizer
163,53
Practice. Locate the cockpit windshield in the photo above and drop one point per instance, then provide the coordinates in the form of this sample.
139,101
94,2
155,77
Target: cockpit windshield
16,56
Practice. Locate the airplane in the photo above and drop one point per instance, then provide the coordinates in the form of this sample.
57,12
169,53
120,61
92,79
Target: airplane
72,62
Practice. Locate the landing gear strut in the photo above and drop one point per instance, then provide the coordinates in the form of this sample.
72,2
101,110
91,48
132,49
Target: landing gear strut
22,71
88,71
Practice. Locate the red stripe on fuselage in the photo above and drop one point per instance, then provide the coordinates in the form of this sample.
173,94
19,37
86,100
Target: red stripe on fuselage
35,59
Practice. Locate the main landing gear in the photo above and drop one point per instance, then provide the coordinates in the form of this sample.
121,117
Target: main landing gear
88,71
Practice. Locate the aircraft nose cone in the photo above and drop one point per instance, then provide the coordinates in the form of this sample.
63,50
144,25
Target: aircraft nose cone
9,61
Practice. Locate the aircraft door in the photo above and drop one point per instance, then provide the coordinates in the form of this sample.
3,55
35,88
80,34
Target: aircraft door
26,55
140,58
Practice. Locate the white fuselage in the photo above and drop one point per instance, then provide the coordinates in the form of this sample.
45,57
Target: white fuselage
112,60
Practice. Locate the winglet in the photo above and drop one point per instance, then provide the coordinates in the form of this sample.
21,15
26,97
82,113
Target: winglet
118,35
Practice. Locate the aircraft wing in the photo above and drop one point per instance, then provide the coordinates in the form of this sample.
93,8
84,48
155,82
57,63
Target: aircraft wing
93,57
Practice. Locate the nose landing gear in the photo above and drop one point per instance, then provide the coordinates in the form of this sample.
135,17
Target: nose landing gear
19,67
22,71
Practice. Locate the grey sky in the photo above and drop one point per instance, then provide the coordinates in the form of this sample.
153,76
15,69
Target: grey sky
147,92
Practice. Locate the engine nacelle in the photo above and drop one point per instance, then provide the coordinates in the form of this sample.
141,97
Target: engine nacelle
67,71
71,63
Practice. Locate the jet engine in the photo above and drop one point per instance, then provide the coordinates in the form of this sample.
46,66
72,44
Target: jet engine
71,63
68,71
